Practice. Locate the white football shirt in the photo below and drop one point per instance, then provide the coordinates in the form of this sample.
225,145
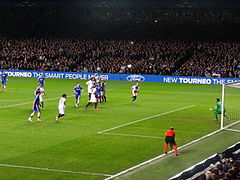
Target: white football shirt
62,101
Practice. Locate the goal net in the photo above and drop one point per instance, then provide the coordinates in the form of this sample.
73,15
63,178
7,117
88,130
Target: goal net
230,118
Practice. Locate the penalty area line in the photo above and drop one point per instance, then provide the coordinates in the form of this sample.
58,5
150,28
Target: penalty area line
55,170
134,135
144,119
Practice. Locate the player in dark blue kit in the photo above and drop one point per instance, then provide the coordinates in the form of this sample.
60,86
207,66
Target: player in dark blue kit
77,91
36,108
37,90
42,92
4,80
41,79
98,92
103,91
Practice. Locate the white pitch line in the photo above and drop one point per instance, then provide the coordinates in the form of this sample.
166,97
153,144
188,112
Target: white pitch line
235,130
150,117
162,155
20,104
134,135
11,100
55,170
13,105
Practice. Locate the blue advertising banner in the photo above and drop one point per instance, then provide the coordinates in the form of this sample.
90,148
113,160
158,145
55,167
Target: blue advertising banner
123,77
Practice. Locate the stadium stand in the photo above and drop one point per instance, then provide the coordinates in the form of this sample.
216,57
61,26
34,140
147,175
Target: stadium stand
158,57
221,166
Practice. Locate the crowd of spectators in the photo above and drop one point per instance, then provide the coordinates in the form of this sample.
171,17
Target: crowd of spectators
226,169
187,58
220,59
146,57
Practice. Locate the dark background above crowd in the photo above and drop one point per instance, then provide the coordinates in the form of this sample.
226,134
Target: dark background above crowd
110,23
213,4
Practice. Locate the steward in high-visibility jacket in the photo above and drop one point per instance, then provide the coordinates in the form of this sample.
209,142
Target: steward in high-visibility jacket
170,139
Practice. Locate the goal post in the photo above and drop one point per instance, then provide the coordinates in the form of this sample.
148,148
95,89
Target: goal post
230,113
222,113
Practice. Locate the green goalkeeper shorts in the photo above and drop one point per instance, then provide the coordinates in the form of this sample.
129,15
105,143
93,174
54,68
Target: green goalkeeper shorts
217,112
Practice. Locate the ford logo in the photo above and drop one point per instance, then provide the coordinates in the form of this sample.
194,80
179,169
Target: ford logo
137,78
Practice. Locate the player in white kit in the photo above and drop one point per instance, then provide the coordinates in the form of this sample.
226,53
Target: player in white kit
61,107
90,84
42,93
93,98
135,90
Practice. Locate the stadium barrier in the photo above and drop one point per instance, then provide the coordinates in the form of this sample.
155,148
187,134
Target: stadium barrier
124,77
232,151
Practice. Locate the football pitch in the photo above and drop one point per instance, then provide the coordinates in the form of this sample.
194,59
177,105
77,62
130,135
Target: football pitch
88,144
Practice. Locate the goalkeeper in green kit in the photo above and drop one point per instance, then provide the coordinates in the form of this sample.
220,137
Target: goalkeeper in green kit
218,109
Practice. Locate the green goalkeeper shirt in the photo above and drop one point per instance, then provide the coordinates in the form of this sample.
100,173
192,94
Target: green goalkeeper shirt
218,107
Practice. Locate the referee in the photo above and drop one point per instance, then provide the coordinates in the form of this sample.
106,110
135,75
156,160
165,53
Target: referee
170,139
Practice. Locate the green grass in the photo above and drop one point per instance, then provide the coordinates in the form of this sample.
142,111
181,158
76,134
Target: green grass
73,144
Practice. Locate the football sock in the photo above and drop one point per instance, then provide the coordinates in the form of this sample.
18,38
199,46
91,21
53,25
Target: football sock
95,105
134,98
32,115
42,104
165,148
175,149
60,115
38,115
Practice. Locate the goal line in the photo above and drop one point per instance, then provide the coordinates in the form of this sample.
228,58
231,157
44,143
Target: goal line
235,130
